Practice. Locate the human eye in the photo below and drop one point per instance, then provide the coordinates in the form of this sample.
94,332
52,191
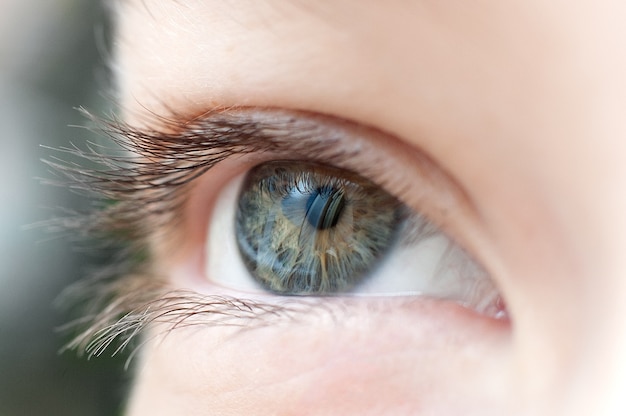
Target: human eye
328,220
298,228
308,229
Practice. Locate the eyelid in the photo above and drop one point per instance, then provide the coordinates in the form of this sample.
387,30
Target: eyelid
167,153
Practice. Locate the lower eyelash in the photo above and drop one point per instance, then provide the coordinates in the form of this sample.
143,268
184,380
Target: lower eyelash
128,307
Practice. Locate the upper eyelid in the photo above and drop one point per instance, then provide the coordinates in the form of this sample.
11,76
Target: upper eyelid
160,159
170,152
146,187
402,170
266,133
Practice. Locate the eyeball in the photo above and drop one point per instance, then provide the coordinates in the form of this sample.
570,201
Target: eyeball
296,228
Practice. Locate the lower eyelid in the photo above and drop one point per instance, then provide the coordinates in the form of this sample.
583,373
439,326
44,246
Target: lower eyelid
225,307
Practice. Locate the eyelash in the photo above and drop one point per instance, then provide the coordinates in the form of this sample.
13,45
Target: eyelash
153,169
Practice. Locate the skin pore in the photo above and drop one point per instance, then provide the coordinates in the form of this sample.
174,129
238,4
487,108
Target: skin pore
518,104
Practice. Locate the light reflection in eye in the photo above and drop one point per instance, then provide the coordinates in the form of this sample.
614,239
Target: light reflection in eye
267,236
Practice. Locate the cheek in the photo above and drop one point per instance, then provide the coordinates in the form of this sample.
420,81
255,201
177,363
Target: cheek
425,358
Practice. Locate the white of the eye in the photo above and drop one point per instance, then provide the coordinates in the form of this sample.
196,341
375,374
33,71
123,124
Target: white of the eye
434,267
223,261
408,269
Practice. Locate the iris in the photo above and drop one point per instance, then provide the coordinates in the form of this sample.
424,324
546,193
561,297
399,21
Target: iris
309,229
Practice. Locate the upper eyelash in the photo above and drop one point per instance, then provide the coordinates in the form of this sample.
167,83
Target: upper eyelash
152,166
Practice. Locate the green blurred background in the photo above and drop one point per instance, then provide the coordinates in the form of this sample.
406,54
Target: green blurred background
52,59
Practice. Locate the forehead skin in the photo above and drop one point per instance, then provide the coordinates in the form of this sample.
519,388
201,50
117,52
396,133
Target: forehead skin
521,101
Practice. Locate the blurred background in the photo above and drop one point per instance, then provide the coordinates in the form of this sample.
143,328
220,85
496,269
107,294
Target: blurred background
52,56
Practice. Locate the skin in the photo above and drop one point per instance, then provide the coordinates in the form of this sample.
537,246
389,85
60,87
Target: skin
521,103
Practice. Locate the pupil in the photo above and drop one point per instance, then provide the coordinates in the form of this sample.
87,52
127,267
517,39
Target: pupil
324,208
